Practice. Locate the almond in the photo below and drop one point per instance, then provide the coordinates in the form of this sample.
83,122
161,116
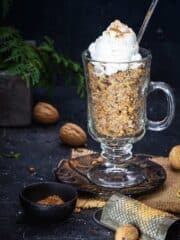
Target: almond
72,135
45,113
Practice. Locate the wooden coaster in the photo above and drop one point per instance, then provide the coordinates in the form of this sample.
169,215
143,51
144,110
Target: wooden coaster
73,171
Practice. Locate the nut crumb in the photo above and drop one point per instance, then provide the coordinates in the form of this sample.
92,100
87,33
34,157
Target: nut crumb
51,200
178,194
118,102
32,170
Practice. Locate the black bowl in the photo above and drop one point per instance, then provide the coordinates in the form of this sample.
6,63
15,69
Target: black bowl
35,192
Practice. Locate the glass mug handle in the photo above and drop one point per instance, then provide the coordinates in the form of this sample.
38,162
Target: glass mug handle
164,123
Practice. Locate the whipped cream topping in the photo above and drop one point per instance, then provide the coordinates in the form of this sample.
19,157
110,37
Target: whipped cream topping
117,44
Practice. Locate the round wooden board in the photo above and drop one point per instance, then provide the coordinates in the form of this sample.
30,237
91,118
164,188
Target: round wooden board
73,172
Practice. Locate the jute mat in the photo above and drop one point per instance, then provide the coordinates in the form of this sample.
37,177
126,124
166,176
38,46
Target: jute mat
165,198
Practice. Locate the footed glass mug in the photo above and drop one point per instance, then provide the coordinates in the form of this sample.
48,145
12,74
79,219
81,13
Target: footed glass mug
117,115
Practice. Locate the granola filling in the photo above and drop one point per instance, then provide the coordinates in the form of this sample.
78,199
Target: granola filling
117,102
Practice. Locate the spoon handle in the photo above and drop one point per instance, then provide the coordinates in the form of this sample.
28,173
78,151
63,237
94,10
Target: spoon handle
146,20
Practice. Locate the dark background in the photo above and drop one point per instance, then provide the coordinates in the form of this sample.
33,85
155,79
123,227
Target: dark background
74,24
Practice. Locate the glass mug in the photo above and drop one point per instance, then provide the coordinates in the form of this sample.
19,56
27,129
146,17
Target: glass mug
117,117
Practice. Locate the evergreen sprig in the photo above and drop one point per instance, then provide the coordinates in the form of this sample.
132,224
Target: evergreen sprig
64,64
17,57
36,64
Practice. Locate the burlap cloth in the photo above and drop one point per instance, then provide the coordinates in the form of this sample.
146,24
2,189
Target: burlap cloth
165,198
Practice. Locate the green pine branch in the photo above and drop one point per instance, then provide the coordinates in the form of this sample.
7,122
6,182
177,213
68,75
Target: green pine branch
36,65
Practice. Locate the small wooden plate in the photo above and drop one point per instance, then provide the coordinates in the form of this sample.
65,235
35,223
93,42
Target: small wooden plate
73,172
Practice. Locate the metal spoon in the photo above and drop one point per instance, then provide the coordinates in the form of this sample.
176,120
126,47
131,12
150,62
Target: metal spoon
146,20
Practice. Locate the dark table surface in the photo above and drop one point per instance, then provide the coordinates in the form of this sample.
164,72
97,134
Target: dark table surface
41,148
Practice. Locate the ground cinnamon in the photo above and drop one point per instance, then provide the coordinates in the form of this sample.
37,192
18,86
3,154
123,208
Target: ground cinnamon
51,200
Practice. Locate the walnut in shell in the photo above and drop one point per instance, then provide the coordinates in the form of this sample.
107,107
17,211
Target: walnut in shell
72,135
45,113
174,157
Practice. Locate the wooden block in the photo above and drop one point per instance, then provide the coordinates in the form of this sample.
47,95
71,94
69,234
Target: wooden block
15,102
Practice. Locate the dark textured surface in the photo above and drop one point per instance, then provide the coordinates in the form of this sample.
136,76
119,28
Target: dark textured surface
41,148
